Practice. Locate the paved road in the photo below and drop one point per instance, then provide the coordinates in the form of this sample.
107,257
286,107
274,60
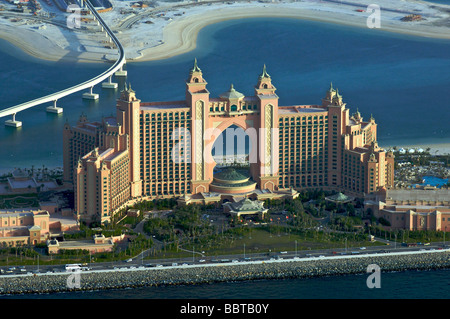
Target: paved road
196,259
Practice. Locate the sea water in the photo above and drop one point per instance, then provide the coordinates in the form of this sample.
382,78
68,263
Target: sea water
393,285
439,1
401,80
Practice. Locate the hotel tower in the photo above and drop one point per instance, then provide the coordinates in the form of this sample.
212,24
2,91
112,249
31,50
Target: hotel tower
154,150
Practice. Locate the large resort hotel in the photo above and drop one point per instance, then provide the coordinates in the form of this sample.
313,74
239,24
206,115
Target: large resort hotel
155,150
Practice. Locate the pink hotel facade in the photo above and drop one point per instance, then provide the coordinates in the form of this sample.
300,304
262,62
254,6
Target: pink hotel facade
130,156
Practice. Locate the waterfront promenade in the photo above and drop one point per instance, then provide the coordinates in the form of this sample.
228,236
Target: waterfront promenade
131,277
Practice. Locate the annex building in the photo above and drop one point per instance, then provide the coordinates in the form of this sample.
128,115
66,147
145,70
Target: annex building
412,209
163,149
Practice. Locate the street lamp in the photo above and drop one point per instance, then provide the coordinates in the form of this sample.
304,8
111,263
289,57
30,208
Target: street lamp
445,229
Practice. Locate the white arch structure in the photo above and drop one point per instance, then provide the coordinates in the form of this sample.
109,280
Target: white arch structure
117,66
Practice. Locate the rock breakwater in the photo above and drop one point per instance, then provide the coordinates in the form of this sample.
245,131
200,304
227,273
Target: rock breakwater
210,273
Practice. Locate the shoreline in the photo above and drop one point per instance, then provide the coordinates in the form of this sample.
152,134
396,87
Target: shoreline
215,273
33,46
436,148
180,35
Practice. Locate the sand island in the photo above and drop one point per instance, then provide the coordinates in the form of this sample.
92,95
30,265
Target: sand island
152,30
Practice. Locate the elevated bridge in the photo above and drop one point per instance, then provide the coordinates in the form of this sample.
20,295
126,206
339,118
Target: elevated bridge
116,68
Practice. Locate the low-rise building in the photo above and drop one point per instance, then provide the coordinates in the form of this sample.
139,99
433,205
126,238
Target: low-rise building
33,226
99,243
22,227
133,213
412,209
245,207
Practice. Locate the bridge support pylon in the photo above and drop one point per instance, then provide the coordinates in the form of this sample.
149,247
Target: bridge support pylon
90,95
13,122
121,72
54,109
110,84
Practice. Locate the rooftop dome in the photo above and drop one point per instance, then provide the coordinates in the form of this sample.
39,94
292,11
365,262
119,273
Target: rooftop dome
231,94
232,181
339,198
231,176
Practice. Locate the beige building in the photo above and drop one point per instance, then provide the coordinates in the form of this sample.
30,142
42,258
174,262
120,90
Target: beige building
23,227
412,209
78,141
98,244
33,226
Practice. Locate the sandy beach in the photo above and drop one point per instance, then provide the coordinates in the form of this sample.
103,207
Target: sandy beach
175,32
436,148
180,36
42,47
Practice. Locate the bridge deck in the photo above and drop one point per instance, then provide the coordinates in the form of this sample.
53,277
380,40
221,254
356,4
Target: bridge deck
79,87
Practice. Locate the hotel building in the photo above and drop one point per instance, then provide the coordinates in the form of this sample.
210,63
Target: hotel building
163,149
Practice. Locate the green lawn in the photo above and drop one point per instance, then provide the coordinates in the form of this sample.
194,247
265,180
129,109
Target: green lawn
19,201
259,240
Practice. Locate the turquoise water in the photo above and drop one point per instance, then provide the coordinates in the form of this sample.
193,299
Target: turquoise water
439,1
434,181
401,80
22,78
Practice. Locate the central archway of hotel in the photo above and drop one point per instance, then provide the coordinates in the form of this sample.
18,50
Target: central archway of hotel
232,163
